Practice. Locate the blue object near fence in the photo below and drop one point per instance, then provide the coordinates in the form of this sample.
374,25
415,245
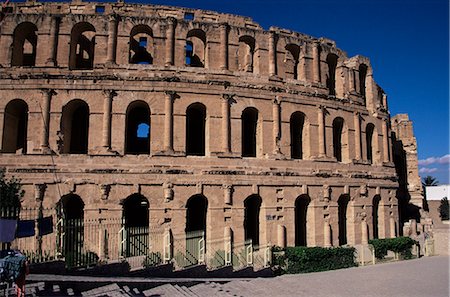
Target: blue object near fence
7,230
25,228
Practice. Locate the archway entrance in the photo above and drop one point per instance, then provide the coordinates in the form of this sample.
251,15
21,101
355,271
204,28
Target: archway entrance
375,207
301,209
342,218
136,223
252,207
196,209
15,127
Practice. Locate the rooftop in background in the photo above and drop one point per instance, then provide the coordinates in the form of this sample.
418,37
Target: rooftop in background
437,192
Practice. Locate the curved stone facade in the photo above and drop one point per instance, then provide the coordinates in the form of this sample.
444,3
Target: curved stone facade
278,136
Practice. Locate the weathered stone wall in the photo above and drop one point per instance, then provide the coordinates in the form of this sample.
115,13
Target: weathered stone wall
277,72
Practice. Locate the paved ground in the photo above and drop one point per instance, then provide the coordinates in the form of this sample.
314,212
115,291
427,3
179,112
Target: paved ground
425,277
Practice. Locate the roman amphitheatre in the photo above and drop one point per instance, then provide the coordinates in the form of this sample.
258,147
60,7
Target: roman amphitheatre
188,134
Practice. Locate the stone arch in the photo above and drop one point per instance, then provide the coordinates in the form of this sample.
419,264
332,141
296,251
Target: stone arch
137,128
252,209
340,140
24,45
250,133
196,48
75,127
369,142
82,46
362,70
15,126
141,45
246,52
136,220
196,211
343,203
299,131
196,129
70,208
301,213
332,60
291,60
376,204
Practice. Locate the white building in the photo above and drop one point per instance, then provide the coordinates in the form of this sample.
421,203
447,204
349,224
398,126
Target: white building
437,192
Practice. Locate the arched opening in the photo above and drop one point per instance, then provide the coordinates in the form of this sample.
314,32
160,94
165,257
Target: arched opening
291,60
71,232
196,209
75,127
141,45
301,210
195,48
338,125
245,54
195,129
342,218
15,126
331,77
297,123
362,80
82,45
249,121
24,45
136,222
369,142
375,210
252,206
138,128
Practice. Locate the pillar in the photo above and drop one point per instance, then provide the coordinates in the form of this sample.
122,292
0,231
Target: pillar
224,46
168,121
321,126
272,54
112,39
385,142
327,235
281,238
392,227
364,233
276,125
226,126
351,83
170,41
51,60
107,113
357,123
316,62
48,93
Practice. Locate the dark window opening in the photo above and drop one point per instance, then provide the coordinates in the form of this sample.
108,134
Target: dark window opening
369,139
75,127
71,209
195,48
141,39
82,46
15,127
252,207
188,16
375,206
342,218
189,52
331,78
362,80
338,124
249,131
292,60
246,53
136,222
301,210
100,9
195,129
24,45
297,125
138,128
196,208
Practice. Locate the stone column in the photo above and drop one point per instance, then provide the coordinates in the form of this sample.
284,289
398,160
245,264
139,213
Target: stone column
281,236
385,142
392,227
357,122
326,234
316,62
276,125
321,124
51,60
48,93
272,54
364,232
351,73
224,46
226,125
170,41
168,121
112,39
107,115
39,193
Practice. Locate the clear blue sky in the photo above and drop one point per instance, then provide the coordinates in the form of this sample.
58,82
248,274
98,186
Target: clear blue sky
407,42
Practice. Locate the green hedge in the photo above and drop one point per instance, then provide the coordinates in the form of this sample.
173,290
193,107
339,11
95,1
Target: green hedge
313,259
400,245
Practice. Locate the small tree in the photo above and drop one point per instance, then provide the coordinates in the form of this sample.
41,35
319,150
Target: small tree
443,209
10,194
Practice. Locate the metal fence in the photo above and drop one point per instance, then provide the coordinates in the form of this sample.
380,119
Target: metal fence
84,242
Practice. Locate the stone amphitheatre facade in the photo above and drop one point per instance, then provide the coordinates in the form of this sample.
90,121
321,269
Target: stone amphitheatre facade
185,120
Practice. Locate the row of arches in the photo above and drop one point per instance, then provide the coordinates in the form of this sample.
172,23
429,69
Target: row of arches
74,129
135,213
142,50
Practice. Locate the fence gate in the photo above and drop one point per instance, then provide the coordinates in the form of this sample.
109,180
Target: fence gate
137,241
195,247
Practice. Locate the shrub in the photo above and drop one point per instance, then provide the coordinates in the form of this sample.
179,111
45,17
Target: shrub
314,259
444,209
401,245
